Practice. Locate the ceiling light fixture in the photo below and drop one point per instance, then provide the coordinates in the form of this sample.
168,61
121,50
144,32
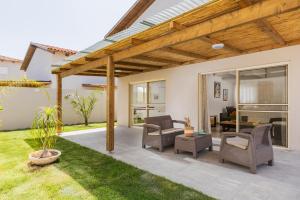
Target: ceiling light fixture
218,46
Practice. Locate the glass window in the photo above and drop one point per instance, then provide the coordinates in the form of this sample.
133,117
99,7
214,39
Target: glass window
263,86
263,100
147,100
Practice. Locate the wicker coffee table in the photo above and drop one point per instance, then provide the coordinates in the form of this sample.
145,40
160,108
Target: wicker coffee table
193,144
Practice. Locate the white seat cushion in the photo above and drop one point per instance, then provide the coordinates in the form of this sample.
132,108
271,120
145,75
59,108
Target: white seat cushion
239,142
166,131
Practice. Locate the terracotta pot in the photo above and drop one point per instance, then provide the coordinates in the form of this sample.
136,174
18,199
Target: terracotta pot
35,159
189,132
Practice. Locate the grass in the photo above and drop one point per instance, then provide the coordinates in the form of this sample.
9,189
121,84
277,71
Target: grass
81,173
79,127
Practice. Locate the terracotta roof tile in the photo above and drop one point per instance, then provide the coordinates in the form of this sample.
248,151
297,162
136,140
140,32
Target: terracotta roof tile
9,59
55,49
32,47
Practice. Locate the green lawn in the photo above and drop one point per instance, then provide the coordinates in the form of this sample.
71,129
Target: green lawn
69,128
81,174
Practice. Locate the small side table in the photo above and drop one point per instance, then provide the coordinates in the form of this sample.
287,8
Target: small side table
193,144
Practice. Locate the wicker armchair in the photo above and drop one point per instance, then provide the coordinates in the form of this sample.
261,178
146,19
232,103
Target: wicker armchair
159,132
248,149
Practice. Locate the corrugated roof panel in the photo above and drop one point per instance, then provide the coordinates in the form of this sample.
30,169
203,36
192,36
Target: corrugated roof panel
164,15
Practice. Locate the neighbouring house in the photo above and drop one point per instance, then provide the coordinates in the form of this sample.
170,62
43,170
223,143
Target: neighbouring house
37,65
226,64
39,60
10,68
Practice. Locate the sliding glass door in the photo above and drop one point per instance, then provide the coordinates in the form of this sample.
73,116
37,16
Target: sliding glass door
262,99
147,100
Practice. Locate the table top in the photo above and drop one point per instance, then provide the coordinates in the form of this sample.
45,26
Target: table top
196,135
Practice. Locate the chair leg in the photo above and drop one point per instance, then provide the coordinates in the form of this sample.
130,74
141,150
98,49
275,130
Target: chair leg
161,149
144,146
253,169
270,163
221,160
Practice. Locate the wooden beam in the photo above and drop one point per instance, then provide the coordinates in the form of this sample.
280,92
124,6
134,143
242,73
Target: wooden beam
177,26
135,41
233,19
226,45
183,53
104,71
110,104
75,64
90,58
122,69
264,25
99,73
138,65
174,26
87,74
59,103
155,59
108,52
129,69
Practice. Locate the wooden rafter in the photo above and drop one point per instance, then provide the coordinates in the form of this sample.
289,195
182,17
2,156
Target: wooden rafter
177,26
130,69
183,53
226,45
264,25
252,13
138,65
97,74
171,50
155,59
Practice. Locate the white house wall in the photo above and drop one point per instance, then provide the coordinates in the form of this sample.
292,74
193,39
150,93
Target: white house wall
39,67
182,86
10,71
75,82
21,104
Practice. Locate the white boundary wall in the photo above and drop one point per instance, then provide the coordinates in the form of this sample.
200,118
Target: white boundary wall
21,104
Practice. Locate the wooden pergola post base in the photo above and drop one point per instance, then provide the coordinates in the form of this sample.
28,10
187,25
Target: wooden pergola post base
110,104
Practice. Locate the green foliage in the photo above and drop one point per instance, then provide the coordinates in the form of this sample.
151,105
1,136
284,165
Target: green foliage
44,127
83,105
81,174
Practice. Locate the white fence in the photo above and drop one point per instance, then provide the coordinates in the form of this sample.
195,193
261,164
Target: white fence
21,104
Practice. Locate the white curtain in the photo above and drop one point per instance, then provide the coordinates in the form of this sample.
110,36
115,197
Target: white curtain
205,113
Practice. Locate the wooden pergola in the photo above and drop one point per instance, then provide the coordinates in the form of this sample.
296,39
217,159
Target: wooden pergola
243,26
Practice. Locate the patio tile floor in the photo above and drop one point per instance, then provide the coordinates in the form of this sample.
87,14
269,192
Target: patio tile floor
206,174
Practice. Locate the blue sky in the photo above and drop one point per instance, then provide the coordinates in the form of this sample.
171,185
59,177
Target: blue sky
73,24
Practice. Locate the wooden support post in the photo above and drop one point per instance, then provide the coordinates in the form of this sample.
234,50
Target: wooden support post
59,102
110,104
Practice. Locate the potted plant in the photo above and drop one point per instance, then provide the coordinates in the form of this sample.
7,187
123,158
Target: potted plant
44,132
188,129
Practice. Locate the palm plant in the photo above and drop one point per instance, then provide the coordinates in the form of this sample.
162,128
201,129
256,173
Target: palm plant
44,128
83,105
